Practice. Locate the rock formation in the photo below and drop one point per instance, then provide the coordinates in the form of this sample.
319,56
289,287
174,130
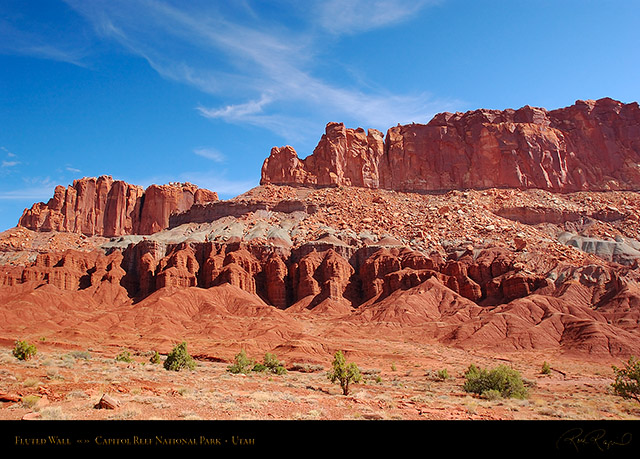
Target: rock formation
502,261
348,157
592,145
104,207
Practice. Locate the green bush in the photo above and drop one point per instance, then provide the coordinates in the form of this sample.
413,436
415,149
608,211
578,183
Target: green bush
546,369
344,373
627,383
179,359
272,364
242,363
124,356
23,350
442,375
506,381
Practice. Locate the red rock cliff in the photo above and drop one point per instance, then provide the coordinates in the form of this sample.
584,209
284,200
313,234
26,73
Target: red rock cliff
347,157
591,145
104,207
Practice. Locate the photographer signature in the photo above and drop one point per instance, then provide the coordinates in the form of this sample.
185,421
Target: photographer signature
596,438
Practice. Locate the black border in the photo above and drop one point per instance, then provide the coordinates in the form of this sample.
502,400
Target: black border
552,438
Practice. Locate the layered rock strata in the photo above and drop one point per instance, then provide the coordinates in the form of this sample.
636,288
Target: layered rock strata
591,145
283,276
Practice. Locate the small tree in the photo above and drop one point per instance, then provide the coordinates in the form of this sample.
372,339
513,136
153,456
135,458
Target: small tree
344,373
627,383
546,368
179,358
23,350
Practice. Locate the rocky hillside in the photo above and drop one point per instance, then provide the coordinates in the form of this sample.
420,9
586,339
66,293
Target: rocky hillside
592,145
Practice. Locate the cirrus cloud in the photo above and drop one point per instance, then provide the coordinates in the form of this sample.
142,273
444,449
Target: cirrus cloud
259,69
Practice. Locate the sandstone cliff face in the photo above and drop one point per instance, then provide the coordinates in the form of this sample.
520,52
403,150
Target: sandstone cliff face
104,207
592,145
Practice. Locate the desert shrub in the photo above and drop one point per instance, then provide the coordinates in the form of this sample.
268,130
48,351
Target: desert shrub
506,381
179,359
53,413
124,356
546,369
272,364
627,382
78,355
30,401
442,375
344,373
241,364
259,368
155,358
23,350
371,374
491,394
31,382
306,367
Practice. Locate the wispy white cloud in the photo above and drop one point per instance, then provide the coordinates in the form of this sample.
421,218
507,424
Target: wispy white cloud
20,40
238,111
12,160
210,153
262,71
34,189
73,169
27,194
348,17
9,153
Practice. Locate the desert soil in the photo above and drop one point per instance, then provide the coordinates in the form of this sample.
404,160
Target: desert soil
67,384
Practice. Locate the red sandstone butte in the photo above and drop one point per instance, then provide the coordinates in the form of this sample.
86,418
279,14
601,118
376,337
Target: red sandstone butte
591,145
104,207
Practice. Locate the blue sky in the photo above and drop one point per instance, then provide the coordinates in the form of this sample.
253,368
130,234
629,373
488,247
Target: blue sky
152,91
